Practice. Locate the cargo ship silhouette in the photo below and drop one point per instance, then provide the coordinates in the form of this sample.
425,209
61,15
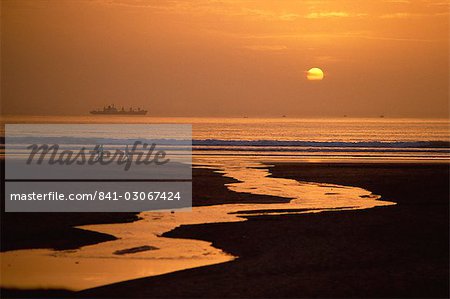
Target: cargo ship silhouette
112,110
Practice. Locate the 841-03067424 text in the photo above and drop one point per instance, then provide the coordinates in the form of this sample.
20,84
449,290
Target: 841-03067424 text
98,195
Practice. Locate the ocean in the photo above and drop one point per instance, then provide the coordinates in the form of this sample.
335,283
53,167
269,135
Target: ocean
309,139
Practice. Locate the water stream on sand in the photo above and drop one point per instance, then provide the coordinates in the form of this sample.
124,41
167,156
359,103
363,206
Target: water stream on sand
151,254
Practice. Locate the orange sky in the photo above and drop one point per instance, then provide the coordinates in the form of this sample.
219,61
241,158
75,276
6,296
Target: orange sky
226,57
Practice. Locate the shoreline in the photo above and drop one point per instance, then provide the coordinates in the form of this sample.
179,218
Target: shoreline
247,177
395,251
26,230
256,255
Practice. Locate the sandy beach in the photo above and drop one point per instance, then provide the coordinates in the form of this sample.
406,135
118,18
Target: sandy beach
399,250
396,251
50,230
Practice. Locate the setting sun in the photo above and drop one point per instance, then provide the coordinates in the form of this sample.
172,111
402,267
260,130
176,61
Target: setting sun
314,74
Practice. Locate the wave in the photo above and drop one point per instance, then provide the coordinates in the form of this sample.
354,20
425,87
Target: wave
298,143
231,143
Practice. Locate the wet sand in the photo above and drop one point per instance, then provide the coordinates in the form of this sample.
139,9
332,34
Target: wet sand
57,230
98,265
395,251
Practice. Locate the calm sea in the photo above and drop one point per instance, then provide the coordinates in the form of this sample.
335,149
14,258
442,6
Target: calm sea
290,138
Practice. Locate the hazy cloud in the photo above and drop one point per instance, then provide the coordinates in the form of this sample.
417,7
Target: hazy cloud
332,14
266,47
406,15
398,1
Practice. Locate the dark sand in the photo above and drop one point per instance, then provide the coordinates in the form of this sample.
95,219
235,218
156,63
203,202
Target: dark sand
396,251
56,230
